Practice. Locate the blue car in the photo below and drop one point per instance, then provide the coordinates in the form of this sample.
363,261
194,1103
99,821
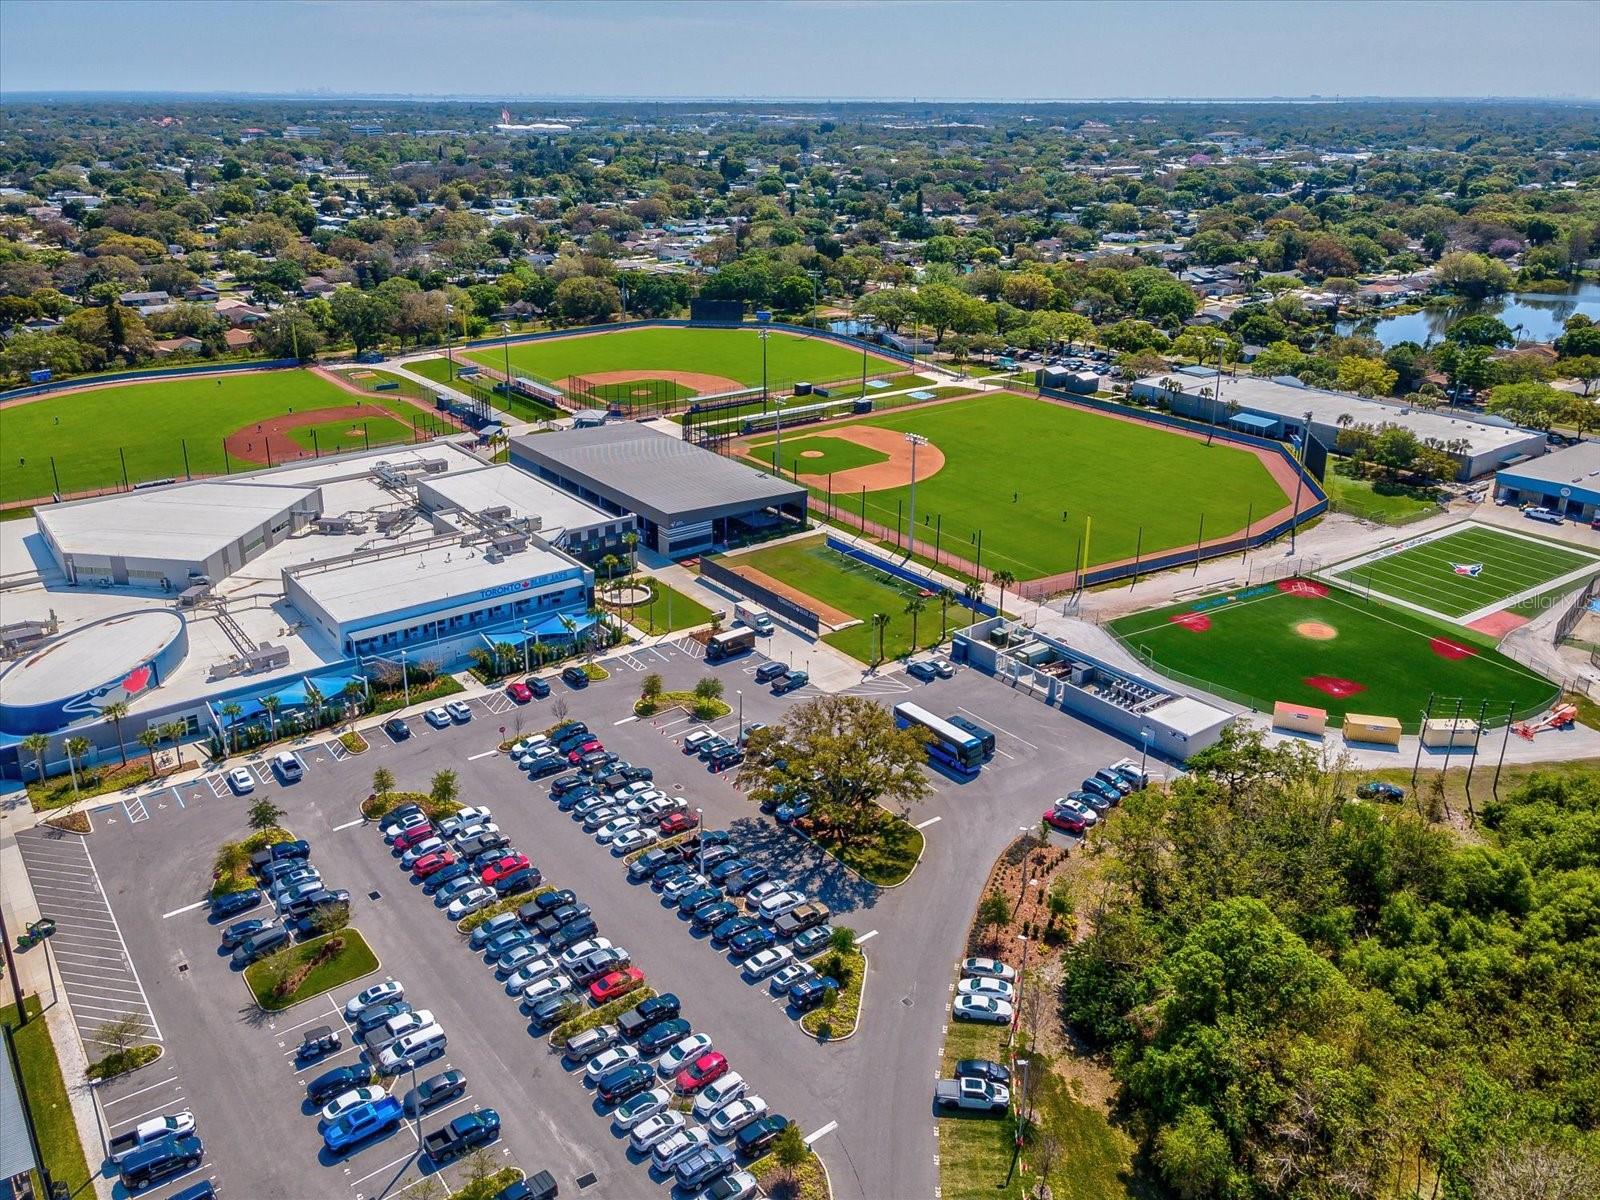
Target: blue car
922,670
363,1123
727,869
234,903
788,813
666,873
444,875
731,928
746,879
1102,788
752,940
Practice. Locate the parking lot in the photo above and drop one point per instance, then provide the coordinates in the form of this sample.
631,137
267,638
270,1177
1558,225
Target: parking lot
865,1101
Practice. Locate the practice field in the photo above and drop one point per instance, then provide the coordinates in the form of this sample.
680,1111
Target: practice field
1028,473
807,565
732,354
817,454
1466,569
337,437
1306,642
150,423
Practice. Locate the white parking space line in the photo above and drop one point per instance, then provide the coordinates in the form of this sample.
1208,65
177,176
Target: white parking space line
416,1153
823,1132
871,933
625,720
485,754
135,810
350,824
158,1108
322,1017
986,721
186,908
140,1092
929,821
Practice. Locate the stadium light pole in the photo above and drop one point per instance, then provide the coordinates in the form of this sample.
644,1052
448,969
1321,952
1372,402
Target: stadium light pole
505,329
916,439
1144,736
1299,482
764,334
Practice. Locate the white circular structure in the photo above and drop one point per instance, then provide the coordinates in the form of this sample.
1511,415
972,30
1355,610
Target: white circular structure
73,677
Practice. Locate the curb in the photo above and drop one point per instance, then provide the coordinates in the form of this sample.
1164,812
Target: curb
94,1083
861,1008
276,1012
882,887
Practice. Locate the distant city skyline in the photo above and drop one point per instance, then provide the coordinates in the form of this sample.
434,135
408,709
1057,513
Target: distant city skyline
786,49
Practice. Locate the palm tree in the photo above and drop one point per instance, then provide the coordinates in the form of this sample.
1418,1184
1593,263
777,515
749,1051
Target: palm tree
38,745
315,700
232,710
630,540
609,565
173,732
914,608
1005,579
76,748
880,622
149,739
946,599
505,657
270,703
116,712
539,649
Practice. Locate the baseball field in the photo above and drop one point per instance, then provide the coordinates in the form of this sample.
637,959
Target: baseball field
1307,642
91,432
1032,475
701,360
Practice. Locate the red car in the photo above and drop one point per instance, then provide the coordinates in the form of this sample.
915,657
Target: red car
588,747
429,863
1062,819
414,837
617,983
678,822
710,1065
520,692
495,872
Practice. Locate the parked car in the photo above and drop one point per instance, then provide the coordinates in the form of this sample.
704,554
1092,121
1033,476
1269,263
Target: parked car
539,687
1374,790
607,1061
641,1108
988,968
982,1068
768,671
983,986
575,677
735,1115
466,1132
764,962
386,992
148,1133
231,904
430,864
809,993
740,1185
354,1098
614,984
1067,822
655,1040
587,1043
647,1013
985,1009
434,1091
811,941
702,1166
460,712
753,1140
438,717
623,1082
520,692
470,902
452,889
236,933
241,781
921,669
397,729
259,945
730,1086
337,1081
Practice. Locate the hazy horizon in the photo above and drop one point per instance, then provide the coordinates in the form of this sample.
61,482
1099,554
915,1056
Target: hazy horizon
931,51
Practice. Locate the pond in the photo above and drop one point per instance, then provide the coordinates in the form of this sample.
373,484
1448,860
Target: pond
1541,315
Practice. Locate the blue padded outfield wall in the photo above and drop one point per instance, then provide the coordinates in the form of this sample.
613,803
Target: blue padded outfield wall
889,567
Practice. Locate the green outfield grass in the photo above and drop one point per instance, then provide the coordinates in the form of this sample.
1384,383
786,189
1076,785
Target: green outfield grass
1028,473
732,353
337,437
833,454
1426,574
440,370
809,565
639,391
150,422
1335,651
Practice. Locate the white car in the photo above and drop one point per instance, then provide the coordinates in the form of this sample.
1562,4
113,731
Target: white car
986,1009
637,802
633,839
573,955
615,828
470,902
395,1028
998,988
789,976
530,973
452,825
765,962
735,1115
438,717
629,790
393,828
477,829
379,993
241,781
741,1185
670,1151
655,1129
769,887
719,1092
659,808
682,886
459,711
694,740
425,846
609,1060
682,1052
1078,809
641,1108
542,989
355,1097
944,667
775,905
988,968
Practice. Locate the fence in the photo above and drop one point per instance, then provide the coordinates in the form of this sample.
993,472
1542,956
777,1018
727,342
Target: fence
902,572
57,385
1580,604
782,606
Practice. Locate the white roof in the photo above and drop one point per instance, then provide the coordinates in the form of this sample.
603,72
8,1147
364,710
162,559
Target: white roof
506,486
185,522
1575,465
1188,716
375,587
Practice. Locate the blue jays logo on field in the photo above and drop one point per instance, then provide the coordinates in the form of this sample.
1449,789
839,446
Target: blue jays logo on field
1472,569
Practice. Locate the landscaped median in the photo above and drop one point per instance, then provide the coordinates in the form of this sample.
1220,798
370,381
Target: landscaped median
884,852
58,791
837,1019
488,1186
310,968
504,905
231,867
381,804
805,1180
120,1062
599,1016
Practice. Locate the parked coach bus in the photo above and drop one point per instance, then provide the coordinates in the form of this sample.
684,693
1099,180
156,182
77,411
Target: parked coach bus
950,746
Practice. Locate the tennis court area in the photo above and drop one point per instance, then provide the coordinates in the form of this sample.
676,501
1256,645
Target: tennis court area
1464,571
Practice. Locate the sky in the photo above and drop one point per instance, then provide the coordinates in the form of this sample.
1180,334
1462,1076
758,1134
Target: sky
827,49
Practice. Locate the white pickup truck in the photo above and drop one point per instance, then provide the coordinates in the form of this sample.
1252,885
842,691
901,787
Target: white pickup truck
976,1095
148,1133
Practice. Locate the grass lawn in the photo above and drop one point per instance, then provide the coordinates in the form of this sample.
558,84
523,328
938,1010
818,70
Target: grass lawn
1334,651
352,962
815,454
1426,573
839,1019
1095,1158
1512,775
440,370
59,1146
883,854
1386,504
852,587
149,422
669,609
337,437
732,353
1014,465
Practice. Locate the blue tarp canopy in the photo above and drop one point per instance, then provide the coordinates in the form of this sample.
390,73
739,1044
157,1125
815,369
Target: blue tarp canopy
332,684
1251,421
555,627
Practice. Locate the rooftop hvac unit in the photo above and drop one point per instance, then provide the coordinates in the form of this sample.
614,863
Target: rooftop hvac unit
509,543
500,512
391,520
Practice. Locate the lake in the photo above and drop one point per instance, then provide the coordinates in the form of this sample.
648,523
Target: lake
1541,315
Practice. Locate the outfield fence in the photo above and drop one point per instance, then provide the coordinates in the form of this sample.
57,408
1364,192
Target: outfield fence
147,373
782,606
1568,620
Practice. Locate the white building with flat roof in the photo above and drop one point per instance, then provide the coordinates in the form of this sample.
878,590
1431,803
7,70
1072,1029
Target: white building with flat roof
507,493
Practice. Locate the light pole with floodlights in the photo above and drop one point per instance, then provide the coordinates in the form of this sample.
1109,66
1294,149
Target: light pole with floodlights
699,823
916,439
1144,736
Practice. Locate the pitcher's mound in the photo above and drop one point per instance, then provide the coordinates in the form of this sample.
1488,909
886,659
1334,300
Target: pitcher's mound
1317,631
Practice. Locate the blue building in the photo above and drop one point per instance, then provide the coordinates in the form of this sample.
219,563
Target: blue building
1567,481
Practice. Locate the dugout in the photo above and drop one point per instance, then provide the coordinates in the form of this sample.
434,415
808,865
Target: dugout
1363,727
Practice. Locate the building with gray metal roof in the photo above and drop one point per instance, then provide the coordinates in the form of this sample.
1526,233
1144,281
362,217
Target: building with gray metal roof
687,499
